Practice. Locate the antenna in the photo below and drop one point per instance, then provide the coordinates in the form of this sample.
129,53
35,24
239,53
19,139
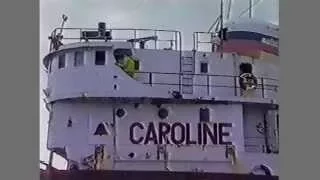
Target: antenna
56,38
64,20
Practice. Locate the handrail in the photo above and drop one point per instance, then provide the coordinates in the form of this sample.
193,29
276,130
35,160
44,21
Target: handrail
197,74
233,85
196,41
138,29
175,41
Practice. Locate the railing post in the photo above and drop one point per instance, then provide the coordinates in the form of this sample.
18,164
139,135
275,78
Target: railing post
197,47
262,87
235,86
180,41
208,87
135,37
155,41
150,79
176,41
80,34
180,82
194,47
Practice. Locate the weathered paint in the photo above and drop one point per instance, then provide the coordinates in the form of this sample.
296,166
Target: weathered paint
99,81
187,149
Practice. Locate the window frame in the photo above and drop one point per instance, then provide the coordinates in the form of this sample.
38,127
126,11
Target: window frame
207,111
76,61
96,61
207,67
50,65
60,64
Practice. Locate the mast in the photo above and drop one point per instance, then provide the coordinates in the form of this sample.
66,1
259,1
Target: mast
229,9
221,29
250,9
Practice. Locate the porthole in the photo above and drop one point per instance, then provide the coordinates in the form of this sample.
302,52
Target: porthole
131,155
120,112
163,113
115,87
69,124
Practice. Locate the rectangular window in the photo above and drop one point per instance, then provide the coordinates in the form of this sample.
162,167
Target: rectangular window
50,65
203,67
204,115
78,58
137,65
62,61
100,58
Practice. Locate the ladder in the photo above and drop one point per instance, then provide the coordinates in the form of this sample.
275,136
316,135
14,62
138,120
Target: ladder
187,70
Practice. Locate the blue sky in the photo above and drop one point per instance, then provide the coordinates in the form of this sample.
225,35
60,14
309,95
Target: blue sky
186,16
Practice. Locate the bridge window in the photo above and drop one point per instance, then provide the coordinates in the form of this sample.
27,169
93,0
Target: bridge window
100,58
204,67
50,65
78,58
120,53
137,65
62,61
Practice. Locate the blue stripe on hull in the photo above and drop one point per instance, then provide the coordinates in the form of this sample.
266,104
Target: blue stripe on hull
245,35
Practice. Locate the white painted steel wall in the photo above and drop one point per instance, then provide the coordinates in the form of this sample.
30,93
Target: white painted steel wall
99,81
79,140
253,122
183,113
86,117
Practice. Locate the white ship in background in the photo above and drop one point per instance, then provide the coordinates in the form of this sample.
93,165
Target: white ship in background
210,109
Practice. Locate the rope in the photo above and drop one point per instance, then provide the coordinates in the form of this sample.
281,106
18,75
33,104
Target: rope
212,25
246,10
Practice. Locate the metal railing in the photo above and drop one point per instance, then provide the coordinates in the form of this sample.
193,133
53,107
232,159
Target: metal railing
203,38
208,81
173,37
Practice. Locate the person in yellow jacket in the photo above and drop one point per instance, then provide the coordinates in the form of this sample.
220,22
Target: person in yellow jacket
128,66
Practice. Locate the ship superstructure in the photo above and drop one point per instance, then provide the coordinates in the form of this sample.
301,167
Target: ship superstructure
210,109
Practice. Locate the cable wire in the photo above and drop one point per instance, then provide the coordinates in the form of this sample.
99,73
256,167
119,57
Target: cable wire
246,10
